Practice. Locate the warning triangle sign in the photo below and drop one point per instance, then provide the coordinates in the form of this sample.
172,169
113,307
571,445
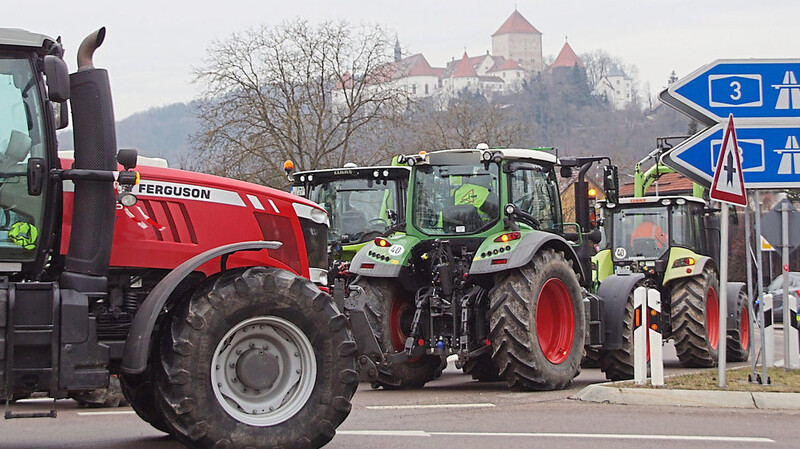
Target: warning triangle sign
728,184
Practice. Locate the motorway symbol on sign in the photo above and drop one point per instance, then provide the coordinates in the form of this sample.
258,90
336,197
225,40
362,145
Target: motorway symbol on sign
728,184
757,88
769,152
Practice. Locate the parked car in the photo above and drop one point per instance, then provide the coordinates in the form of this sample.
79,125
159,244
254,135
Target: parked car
776,289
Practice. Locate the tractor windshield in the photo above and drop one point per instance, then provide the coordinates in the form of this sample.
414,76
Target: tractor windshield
358,208
640,233
455,199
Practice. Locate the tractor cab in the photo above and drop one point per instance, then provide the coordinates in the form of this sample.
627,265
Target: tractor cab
362,202
652,235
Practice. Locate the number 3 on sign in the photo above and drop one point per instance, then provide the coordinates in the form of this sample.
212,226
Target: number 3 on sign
737,90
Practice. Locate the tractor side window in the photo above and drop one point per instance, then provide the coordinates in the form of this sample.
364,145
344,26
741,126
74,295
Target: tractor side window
21,137
683,227
535,191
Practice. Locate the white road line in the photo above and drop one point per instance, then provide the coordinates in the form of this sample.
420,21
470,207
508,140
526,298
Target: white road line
121,412
407,407
608,436
385,433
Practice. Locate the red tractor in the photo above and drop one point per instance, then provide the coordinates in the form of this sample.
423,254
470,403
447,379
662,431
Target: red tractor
197,291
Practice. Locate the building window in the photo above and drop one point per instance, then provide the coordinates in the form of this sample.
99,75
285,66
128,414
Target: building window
414,89
426,88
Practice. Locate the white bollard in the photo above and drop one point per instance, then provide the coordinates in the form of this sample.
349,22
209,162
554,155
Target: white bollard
769,330
640,336
654,329
791,328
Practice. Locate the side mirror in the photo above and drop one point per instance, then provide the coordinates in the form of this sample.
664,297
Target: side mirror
55,69
595,236
611,183
35,176
566,172
127,157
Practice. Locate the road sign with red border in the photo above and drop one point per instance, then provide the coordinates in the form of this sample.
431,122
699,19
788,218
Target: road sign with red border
728,184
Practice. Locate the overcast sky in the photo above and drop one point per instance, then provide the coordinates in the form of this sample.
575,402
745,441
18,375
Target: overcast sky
152,46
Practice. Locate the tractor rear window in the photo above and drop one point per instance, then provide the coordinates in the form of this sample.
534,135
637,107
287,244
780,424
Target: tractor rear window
640,233
455,199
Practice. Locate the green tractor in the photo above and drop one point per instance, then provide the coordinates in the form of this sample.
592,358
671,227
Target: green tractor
482,270
670,243
362,203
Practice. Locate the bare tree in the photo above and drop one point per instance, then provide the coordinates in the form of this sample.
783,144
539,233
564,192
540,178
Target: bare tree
467,120
294,91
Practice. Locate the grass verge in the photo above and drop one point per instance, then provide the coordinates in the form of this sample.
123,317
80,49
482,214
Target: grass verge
782,381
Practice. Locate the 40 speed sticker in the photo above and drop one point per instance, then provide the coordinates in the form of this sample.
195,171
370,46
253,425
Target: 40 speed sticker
620,252
396,250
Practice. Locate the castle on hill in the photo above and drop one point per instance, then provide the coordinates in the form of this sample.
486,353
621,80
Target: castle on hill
516,56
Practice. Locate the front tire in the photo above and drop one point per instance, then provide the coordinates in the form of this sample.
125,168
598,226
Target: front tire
695,319
259,357
741,335
390,310
537,324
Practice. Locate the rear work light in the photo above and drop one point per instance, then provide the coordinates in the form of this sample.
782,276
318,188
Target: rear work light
382,242
367,266
684,262
508,237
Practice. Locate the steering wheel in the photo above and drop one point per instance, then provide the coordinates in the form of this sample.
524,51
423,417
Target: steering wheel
378,221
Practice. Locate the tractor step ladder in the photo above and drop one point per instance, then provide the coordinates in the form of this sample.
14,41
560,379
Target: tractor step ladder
32,340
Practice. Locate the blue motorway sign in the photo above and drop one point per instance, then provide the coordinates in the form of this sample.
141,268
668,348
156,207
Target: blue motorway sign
769,152
746,88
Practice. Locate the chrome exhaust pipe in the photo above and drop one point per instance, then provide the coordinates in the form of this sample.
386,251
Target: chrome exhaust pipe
88,46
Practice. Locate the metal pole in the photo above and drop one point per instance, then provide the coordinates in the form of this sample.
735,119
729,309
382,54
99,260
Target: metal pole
760,285
749,254
723,294
787,363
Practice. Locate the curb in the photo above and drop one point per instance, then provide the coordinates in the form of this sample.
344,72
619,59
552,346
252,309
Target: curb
610,394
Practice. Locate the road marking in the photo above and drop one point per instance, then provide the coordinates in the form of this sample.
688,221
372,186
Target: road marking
385,433
608,436
121,412
406,407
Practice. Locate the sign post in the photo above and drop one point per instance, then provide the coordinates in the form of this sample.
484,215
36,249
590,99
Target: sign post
727,188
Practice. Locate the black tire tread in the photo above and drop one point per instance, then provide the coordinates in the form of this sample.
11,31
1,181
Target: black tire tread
736,352
516,351
184,394
688,319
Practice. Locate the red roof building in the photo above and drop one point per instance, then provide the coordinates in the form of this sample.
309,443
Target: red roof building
516,24
566,58
517,39
667,184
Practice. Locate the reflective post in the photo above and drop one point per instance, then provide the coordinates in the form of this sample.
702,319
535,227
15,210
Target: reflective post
760,285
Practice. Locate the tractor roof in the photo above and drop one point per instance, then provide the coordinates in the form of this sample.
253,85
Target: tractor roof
533,155
382,171
21,38
656,200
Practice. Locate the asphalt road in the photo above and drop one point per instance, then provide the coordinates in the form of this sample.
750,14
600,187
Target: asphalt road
455,411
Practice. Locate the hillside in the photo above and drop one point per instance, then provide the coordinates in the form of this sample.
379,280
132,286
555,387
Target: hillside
156,132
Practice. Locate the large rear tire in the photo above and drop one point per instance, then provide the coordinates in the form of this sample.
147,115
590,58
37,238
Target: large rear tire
537,324
390,311
140,391
695,319
741,335
258,357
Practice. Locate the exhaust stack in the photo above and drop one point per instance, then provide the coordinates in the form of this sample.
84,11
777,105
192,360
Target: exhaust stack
94,204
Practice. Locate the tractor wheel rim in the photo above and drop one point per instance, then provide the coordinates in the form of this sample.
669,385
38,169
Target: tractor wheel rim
263,371
555,321
744,328
712,318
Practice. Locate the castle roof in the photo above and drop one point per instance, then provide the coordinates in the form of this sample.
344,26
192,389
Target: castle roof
516,24
566,58
464,68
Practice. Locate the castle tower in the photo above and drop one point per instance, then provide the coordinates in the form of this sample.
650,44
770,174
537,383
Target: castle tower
517,39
